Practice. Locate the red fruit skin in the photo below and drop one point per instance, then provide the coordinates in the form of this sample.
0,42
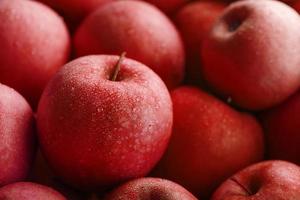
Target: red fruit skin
168,6
276,180
74,11
42,174
210,142
138,31
296,6
34,44
29,191
194,22
150,188
17,140
282,130
251,54
95,132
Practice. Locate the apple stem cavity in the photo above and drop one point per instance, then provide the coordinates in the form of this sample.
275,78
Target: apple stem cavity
118,67
234,25
249,193
93,196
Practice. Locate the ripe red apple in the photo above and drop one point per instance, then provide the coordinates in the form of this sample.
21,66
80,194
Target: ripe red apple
274,180
138,28
252,53
29,191
97,129
168,6
150,188
209,143
282,128
17,140
34,44
194,22
75,10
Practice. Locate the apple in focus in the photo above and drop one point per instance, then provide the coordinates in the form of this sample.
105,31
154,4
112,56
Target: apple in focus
97,127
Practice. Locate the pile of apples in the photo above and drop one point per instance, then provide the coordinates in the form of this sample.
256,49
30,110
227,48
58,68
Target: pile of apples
149,100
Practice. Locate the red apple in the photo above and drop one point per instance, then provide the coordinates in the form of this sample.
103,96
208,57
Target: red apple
194,22
209,143
28,191
252,53
274,180
17,140
168,6
138,28
148,189
96,129
34,44
75,10
282,128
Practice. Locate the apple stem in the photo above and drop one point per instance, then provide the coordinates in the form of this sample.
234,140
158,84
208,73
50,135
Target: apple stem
242,186
118,67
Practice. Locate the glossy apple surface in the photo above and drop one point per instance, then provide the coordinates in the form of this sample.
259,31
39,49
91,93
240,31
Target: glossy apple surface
96,132
34,44
276,180
150,188
210,142
251,54
17,140
139,29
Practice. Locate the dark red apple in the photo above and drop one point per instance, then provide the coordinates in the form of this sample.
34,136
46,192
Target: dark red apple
194,22
296,6
209,143
34,44
269,180
252,53
29,191
150,189
42,174
138,28
168,6
97,129
282,128
17,140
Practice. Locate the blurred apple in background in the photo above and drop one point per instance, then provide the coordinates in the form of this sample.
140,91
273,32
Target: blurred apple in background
276,180
168,6
209,143
29,191
97,127
194,22
138,28
74,11
252,54
150,189
282,130
17,139
34,44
